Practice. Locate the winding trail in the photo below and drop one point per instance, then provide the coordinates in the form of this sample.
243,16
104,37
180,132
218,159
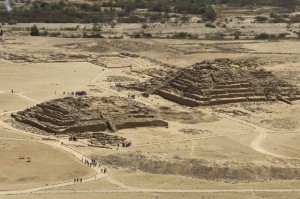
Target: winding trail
42,139
137,190
55,144
255,145
26,97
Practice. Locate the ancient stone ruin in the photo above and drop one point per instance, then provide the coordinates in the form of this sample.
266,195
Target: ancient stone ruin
87,114
102,139
221,81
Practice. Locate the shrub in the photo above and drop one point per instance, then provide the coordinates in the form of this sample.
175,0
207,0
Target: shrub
264,36
116,37
215,36
261,19
209,14
148,35
237,34
185,35
136,35
180,35
210,25
54,34
283,35
92,35
295,19
144,26
44,33
278,20
12,22
34,31
155,17
113,24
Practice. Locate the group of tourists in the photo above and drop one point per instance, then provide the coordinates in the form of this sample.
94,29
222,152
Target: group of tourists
103,170
77,93
72,138
124,144
93,163
77,180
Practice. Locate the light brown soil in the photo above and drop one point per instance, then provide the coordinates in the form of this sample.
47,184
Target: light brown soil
223,140
46,166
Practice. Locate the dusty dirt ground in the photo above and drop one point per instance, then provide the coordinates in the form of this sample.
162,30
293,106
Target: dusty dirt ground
35,165
43,68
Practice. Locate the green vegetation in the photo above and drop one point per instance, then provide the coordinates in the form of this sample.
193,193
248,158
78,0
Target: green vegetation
261,19
56,12
265,36
34,31
184,35
123,10
142,35
210,25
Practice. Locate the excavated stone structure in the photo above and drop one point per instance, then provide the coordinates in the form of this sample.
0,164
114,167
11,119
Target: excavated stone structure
105,139
221,81
87,114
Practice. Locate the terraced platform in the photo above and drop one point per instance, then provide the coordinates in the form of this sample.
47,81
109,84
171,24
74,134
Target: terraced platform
221,81
87,114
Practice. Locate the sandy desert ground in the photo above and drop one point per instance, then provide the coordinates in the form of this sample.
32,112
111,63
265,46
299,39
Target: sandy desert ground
260,138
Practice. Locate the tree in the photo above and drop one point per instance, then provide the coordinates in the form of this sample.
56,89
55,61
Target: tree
261,19
160,6
34,31
289,4
209,14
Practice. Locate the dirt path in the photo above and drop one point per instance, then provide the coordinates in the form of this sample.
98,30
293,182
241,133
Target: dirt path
21,95
27,98
136,190
99,175
256,143
55,144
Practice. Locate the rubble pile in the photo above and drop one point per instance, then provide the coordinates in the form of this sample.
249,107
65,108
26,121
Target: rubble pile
115,78
191,131
103,139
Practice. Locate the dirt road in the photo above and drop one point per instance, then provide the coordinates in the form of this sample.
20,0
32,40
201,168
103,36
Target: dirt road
55,144
255,145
